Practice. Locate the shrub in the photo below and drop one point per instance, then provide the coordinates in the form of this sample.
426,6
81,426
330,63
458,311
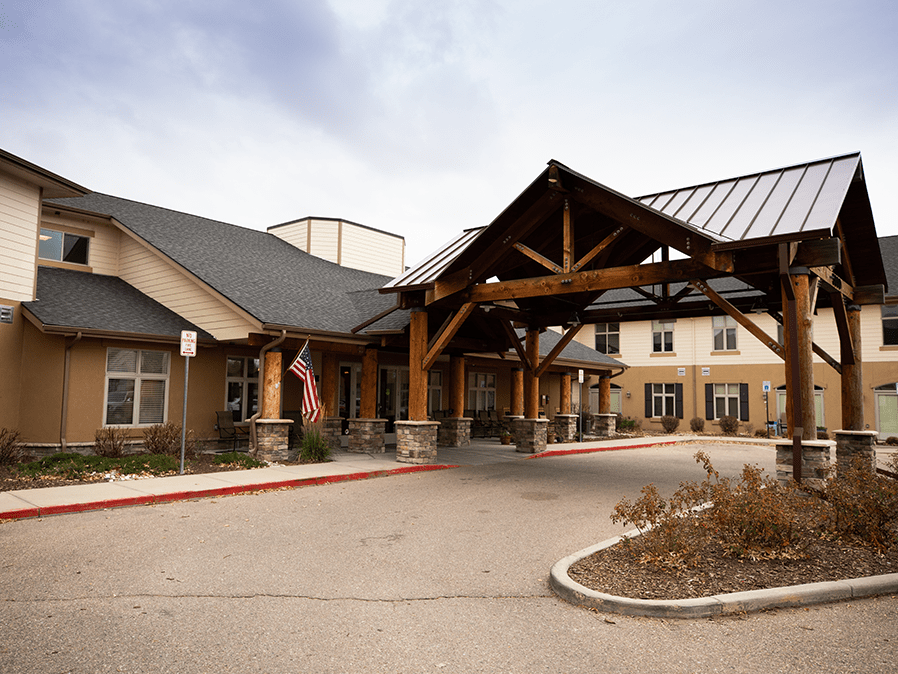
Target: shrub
71,466
892,440
669,423
626,424
697,425
110,442
864,505
314,448
10,447
729,425
761,433
166,439
238,459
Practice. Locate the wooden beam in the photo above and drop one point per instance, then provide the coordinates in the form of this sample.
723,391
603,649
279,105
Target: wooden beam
536,257
567,256
374,319
816,348
447,333
740,318
832,282
590,281
559,347
846,347
846,262
516,343
449,285
875,294
607,241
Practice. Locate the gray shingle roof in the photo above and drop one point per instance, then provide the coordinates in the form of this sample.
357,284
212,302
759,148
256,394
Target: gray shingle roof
268,278
889,247
74,299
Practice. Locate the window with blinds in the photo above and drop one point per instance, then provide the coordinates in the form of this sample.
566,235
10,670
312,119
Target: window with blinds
136,387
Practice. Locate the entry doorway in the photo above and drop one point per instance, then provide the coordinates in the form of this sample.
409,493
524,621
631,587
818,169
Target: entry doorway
392,403
350,390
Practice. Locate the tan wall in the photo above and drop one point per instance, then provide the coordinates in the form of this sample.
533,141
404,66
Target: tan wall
19,215
11,344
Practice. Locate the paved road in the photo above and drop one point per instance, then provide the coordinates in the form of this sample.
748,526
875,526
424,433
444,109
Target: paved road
443,571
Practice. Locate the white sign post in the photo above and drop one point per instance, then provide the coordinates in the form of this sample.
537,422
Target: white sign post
580,405
188,350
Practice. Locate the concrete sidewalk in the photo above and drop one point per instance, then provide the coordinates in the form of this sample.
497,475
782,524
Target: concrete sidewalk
344,466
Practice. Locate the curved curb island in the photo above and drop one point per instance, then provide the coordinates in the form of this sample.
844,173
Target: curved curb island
720,604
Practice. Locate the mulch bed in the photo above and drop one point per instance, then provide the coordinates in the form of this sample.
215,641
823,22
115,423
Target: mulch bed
615,571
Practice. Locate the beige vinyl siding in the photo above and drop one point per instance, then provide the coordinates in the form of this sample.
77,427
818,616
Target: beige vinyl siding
19,217
324,242
295,233
372,251
156,278
105,239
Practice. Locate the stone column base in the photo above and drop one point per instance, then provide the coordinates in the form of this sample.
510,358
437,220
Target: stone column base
333,432
416,441
566,427
530,435
854,446
454,432
603,425
366,436
273,439
816,460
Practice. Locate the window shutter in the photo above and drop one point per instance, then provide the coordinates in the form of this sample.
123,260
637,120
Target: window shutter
678,400
709,401
743,402
648,401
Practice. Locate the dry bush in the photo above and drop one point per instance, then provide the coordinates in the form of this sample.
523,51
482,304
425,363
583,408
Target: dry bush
761,433
864,505
110,442
892,440
10,447
729,425
166,439
697,425
670,423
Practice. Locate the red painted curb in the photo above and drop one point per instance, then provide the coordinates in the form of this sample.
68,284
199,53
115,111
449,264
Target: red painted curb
23,513
590,450
95,505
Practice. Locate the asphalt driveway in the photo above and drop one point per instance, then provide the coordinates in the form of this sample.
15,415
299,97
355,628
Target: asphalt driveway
442,571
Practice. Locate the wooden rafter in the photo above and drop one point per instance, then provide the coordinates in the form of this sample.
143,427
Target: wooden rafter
516,343
591,281
832,362
740,318
447,333
536,257
607,241
559,347
833,282
567,255
846,344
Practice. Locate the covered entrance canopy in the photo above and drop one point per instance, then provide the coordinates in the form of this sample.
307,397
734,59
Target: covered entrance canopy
787,240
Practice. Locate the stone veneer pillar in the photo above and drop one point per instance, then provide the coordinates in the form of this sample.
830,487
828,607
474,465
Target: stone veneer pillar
367,436
530,435
566,427
333,432
854,446
454,432
603,425
816,459
273,439
416,441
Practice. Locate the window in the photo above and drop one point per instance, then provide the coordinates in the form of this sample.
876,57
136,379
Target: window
481,391
724,333
886,409
608,338
136,387
889,324
662,336
62,247
781,402
242,383
434,391
663,400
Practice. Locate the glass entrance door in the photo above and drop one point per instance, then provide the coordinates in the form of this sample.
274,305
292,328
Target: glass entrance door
392,395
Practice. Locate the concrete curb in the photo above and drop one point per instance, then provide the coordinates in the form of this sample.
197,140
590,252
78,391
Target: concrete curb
721,604
16,506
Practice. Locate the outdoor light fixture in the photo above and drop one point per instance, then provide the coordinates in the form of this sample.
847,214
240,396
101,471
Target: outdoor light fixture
573,320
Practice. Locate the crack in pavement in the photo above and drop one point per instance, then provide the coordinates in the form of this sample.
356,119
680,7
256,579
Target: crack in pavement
276,596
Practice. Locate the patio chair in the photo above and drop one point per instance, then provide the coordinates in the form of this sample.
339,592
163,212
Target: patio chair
227,430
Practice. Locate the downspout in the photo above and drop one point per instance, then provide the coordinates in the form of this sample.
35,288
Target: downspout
252,420
65,392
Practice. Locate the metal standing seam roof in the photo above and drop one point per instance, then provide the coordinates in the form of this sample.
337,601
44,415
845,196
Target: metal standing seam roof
780,201
432,266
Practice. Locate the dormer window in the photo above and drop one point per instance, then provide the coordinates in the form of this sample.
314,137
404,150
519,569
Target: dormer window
62,247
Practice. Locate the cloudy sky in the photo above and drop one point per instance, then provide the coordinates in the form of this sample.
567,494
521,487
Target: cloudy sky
422,117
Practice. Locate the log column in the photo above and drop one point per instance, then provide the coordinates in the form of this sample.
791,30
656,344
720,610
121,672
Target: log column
271,393
455,430
798,335
604,421
604,395
517,392
416,439
565,406
852,379
531,433
366,434
329,371
368,406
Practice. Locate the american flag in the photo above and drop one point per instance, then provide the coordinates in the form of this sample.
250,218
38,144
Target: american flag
302,368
